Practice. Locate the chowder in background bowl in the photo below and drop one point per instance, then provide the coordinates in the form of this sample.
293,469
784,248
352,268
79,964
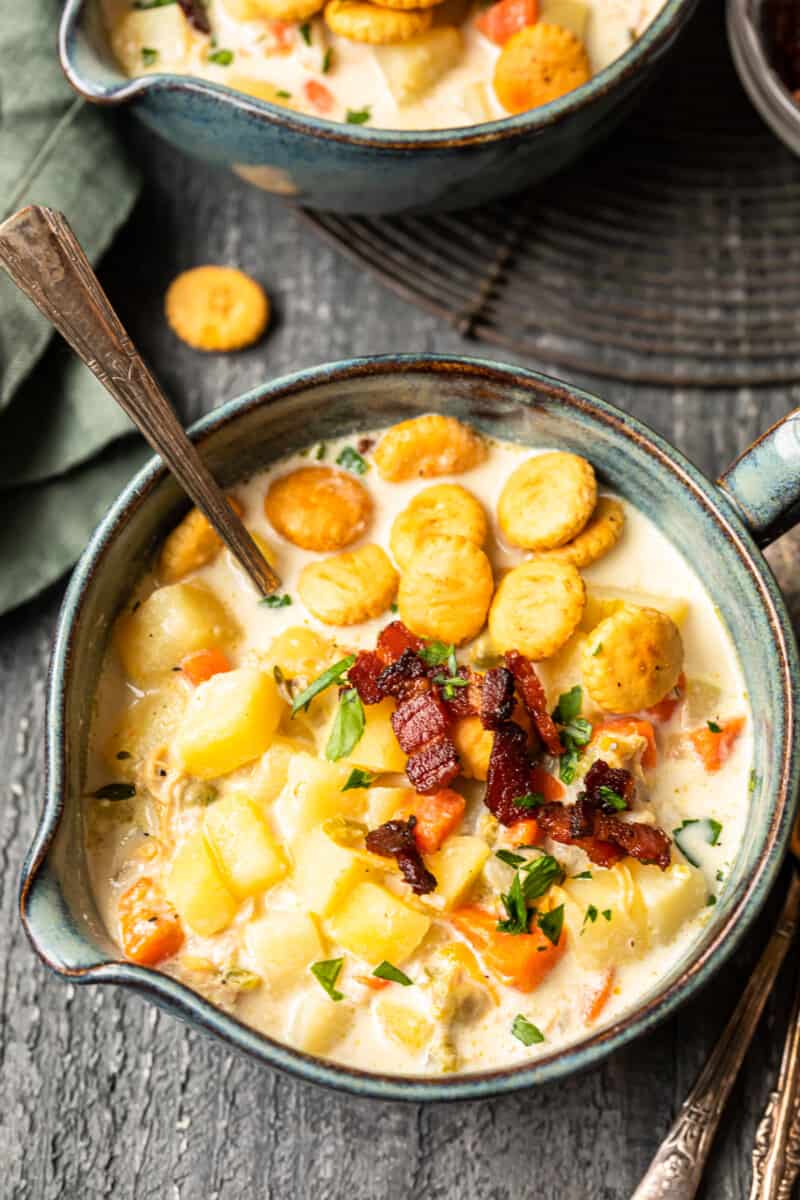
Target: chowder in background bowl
353,167
702,523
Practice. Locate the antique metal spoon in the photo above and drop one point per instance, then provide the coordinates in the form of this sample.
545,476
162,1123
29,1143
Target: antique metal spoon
44,258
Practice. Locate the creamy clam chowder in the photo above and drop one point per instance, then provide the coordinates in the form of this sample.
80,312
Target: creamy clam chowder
437,65
463,791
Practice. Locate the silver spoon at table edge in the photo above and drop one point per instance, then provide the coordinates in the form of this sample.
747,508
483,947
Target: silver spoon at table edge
46,261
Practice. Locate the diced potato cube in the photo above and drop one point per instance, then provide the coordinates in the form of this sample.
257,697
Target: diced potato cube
383,803
606,917
374,925
229,720
413,67
171,623
149,722
300,653
267,777
702,700
569,14
404,1024
377,749
671,897
324,873
602,602
282,946
245,849
163,30
313,793
318,1023
197,890
457,867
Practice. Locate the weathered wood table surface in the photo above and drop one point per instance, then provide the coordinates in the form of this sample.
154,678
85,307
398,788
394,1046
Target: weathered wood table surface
102,1095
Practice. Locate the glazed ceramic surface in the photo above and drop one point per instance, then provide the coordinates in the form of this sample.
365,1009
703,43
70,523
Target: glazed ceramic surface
348,168
251,432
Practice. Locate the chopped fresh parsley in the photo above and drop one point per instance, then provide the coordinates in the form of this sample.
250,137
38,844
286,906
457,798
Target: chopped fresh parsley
149,56
518,918
752,782
322,449
358,779
284,95
351,460
590,914
393,607
348,726
305,32
611,798
583,875
529,800
720,875
393,974
606,913
531,881
115,791
144,4
510,858
322,682
575,731
223,58
711,900
327,60
435,653
551,924
276,601
707,827
714,727
525,1031
326,973
569,705
359,116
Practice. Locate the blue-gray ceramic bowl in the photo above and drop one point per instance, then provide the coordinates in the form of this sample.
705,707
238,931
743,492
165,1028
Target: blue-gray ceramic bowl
708,523
352,168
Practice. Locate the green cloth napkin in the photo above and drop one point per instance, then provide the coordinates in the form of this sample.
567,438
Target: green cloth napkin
61,460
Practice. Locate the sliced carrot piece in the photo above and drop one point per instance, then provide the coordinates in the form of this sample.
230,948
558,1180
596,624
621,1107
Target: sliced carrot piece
438,815
662,711
715,745
373,982
149,926
524,833
546,784
506,18
201,665
632,725
521,960
599,999
319,96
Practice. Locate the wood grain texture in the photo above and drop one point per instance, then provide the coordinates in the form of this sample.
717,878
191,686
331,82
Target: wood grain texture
104,1096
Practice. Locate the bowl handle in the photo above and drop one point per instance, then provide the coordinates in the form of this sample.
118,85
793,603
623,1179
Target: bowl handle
764,482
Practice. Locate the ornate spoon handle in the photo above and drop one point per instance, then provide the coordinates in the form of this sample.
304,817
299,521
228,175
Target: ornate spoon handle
44,258
676,1170
776,1153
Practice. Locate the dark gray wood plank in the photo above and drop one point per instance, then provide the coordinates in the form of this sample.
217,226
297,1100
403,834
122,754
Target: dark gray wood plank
104,1095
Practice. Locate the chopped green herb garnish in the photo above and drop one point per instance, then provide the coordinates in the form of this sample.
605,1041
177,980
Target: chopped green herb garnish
525,1031
326,973
448,684
322,449
223,58
351,460
393,607
529,800
123,754
327,60
583,875
720,875
305,32
518,918
149,56
145,4
707,827
551,924
714,727
540,874
590,914
393,974
284,95
531,881
711,900
241,979
597,650
358,779
510,858
752,782
276,601
611,798
348,726
569,705
575,732
358,116
115,791
322,682
435,653
606,913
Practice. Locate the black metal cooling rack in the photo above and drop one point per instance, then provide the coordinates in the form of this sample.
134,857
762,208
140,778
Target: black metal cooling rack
671,255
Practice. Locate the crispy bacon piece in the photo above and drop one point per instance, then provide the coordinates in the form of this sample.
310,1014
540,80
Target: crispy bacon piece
497,697
393,639
395,839
647,843
567,823
196,15
419,720
601,775
509,773
535,700
364,676
434,766
404,678
464,701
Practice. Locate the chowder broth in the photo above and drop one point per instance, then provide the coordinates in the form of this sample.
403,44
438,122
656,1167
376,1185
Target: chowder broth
261,932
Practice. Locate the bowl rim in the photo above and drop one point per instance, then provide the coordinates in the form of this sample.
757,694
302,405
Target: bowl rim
655,38
767,92
751,891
